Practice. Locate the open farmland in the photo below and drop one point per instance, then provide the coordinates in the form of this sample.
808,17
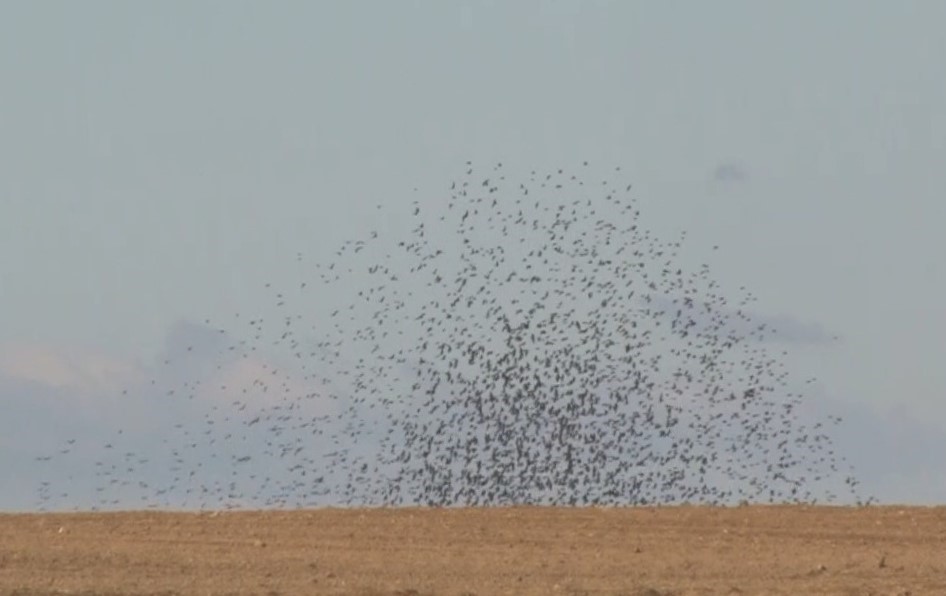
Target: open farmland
646,551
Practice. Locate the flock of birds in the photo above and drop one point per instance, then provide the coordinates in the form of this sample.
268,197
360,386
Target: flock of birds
524,343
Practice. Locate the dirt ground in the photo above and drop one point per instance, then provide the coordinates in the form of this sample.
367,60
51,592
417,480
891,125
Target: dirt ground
641,551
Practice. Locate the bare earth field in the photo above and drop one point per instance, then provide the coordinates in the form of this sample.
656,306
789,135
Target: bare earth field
635,551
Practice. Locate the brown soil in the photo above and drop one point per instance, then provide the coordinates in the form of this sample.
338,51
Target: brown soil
645,551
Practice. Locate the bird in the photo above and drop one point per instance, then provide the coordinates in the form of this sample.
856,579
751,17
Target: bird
527,341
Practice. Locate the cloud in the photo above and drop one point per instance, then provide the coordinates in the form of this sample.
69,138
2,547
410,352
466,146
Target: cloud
212,366
788,329
68,413
730,173
66,368
743,323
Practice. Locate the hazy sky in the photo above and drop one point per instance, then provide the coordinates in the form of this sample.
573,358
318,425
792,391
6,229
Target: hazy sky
160,162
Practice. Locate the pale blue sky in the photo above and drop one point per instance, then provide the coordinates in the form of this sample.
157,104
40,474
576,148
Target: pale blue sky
161,161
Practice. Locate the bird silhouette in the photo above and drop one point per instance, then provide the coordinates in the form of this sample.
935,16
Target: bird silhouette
527,342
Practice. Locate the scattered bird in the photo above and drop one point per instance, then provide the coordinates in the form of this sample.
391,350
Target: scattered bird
533,343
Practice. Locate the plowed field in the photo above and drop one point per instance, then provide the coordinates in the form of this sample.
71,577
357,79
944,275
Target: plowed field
640,551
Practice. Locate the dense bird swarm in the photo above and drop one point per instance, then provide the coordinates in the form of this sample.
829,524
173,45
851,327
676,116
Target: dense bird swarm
525,343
